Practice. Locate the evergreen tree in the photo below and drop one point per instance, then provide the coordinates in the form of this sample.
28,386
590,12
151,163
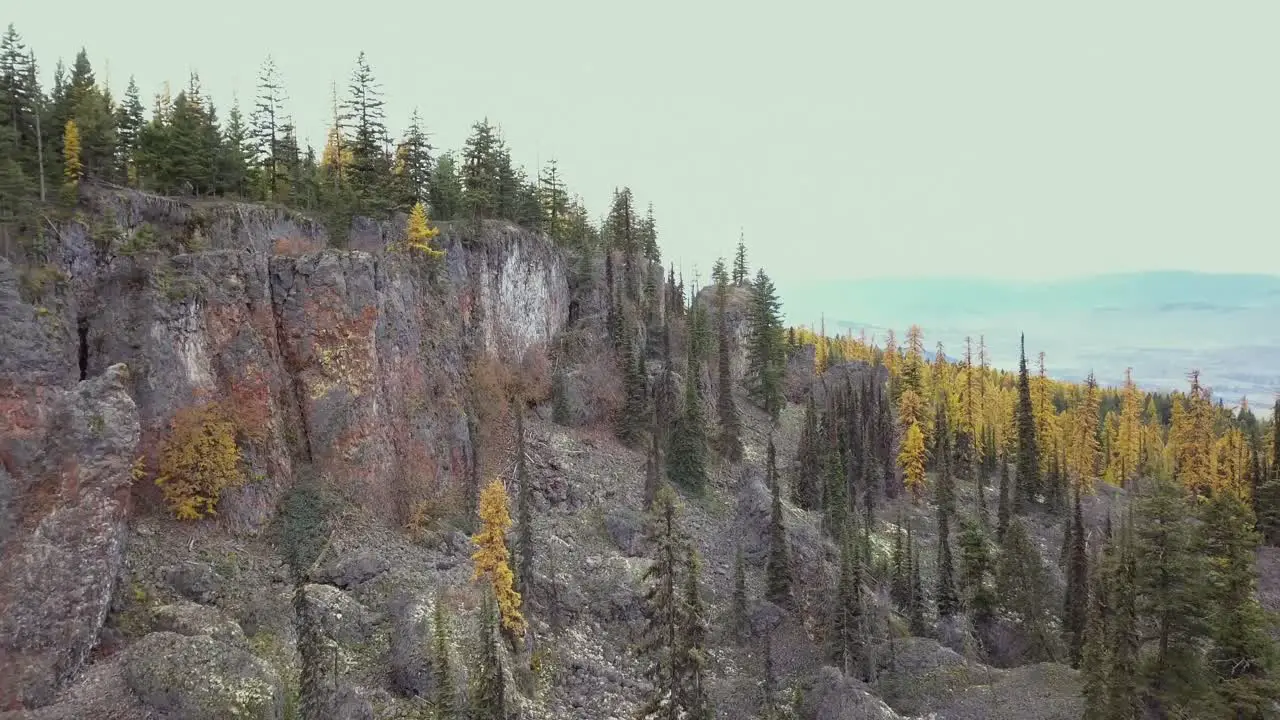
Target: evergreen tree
740,275
1242,657
975,562
555,201
778,569
663,611
687,462
730,443
488,695
691,659
269,121
1095,663
72,169
1123,700
444,189
1075,614
765,358
635,410
1170,593
1022,586
235,157
948,599
848,616
915,599
444,694
806,490
129,122
480,167
369,162
411,171
1028,460
1004,511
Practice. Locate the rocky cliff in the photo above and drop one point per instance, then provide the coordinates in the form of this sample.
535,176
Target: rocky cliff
348,365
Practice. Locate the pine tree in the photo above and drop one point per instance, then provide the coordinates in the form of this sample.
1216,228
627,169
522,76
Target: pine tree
975,562
778,569
740,275
1028,460
687,461
1095,662
480,180
1123,701
235,157
764,346
444,189
915,599
1075,606
848,616
492,558
269,121
635,410
554,200
730,443
1242,658
1170,592
1022,586
444,694
412,167
690,662
948,599
369,162
129,122
663,611
488,696
806,490
1004,511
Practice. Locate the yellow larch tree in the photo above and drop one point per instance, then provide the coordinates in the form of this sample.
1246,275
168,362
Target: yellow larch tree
419,232
890,354
72,167
1042,409
492,561
1128,433
1191,435
911,461
821,353
1084,451
1231,464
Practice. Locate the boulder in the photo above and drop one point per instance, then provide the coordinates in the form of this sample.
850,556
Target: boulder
342,618
188,618
835,696
194,581
199,678
349,571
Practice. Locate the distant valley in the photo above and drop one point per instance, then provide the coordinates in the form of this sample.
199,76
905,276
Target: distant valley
1162,324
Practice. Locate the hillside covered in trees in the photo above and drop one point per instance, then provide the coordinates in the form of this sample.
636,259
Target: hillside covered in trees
385,432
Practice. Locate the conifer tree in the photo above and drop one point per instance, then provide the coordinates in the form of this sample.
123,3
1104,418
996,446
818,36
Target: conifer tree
1028,460
848,616
412,167
1123,701
764,346
664,611
488,694
1169,590
687,461
778,569
1095,662
480,180
1075,611
915,599
1022,586
948,599
635,410
740,275
691,660
419,232
369,162
1242,657
269,121
444,190
975,565
492,559
911,460
806,490
835,486
444,698
1004,511
730,441
900,569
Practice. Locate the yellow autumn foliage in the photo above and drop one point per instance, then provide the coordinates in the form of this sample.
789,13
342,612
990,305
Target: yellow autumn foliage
72,167
492,561
419,232
198,460
911,460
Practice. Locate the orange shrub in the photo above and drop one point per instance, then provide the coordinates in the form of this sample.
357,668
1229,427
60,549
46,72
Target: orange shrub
294,246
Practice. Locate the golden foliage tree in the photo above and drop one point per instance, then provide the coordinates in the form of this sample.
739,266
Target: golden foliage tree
1125,448
199,459
1191,436
419,232
911,460
492,561
72,166
1084,450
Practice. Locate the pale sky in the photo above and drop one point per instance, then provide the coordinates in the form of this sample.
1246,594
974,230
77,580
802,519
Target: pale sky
997,138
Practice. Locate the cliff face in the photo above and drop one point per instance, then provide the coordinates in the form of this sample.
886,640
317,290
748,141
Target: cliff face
350,365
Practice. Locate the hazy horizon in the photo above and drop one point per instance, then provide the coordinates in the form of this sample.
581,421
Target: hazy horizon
989,139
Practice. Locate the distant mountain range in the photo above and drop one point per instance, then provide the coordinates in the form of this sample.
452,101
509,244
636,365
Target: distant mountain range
1162,324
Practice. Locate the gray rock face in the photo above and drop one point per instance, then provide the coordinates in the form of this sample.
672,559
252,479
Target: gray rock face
199,678
188,618
342,618
347,572
195,581
410,640
626,528
68,498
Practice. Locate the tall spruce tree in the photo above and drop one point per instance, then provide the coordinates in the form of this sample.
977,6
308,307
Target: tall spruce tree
740,275
975,563
1075,614
1022,586
687,460
948,599
765,359
1028,460
806,489
444,694
488,691
848,615
524,508
691,658
369,172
